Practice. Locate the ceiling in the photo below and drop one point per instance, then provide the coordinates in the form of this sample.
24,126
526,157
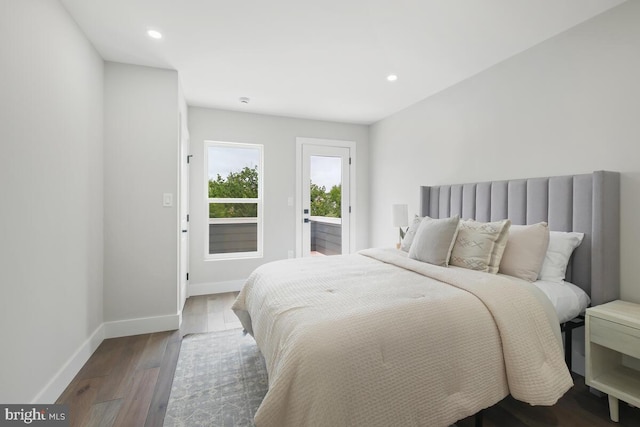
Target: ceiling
324,59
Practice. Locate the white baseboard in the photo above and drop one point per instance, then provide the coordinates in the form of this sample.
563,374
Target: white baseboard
70,369
143,325
54,388
215,287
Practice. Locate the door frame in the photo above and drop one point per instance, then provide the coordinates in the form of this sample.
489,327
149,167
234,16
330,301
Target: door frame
351,145
183,213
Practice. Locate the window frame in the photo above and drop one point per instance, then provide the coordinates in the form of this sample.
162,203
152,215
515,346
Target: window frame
259,220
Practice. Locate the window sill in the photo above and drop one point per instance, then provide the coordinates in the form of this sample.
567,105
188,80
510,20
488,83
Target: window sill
233,257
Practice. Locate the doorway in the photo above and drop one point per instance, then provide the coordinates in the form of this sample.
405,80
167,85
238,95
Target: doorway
325,186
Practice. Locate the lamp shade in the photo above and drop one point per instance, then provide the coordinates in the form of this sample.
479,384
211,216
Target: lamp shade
400,216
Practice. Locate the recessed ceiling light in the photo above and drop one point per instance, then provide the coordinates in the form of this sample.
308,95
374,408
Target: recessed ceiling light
154,34
392,77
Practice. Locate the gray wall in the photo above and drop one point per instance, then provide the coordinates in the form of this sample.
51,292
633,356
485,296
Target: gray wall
141,163
278,134
51,142
569,105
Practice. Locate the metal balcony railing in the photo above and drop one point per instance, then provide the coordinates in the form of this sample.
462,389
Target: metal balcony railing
326,237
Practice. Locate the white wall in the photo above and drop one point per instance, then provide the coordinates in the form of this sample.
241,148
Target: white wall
569,105
141,163
51,185
278,134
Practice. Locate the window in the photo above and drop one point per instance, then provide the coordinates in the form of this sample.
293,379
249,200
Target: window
234,200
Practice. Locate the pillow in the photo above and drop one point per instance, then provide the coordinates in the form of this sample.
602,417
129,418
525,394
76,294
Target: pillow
434,240
525,251
475,243
498,248
561,246
568,299
411,233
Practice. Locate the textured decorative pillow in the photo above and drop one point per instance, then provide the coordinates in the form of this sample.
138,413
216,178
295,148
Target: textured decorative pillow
525,251
434,240
498,248
475,242
411,233
561,246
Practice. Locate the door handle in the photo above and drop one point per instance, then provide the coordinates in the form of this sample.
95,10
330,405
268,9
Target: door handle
184,231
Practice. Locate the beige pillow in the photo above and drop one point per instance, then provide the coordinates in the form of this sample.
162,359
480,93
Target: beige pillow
475,243
498,248
434,240
525,251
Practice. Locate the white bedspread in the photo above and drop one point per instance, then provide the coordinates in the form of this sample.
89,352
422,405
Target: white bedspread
357,341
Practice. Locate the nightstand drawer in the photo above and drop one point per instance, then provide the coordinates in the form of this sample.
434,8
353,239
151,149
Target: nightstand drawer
615,336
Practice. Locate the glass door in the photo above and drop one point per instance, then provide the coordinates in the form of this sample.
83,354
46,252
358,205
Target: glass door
325,200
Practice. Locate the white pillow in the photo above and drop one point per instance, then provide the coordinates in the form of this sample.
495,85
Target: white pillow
434,240
568,299
410,234
561,246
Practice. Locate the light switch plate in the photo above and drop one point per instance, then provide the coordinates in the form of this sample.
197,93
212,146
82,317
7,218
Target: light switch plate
167,200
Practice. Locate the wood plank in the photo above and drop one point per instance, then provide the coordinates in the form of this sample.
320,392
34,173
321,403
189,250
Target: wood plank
104,414
215,313
154,349
135,405
193,324
215,303
80,399
195,305
103,362
117,384
229,315
174,337
215,322
160,400
231,321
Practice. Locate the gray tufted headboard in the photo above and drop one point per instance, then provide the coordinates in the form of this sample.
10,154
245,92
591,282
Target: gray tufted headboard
588,203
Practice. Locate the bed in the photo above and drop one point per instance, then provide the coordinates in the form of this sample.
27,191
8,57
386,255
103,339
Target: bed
379,339
586,203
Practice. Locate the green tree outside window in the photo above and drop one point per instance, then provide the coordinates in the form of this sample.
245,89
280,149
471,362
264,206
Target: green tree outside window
244,185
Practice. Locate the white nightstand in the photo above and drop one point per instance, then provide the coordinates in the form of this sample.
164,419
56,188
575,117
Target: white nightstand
613,331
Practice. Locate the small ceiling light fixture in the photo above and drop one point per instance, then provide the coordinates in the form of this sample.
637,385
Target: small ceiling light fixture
244,100
154,34
392,77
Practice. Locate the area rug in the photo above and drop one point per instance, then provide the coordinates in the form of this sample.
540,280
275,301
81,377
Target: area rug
220,380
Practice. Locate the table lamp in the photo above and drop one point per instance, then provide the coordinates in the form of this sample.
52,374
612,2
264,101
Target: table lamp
400,219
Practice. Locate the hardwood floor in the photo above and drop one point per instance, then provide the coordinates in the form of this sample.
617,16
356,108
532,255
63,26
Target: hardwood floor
127,381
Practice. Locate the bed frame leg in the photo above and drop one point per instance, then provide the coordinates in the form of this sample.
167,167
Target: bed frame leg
568,328
478,418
